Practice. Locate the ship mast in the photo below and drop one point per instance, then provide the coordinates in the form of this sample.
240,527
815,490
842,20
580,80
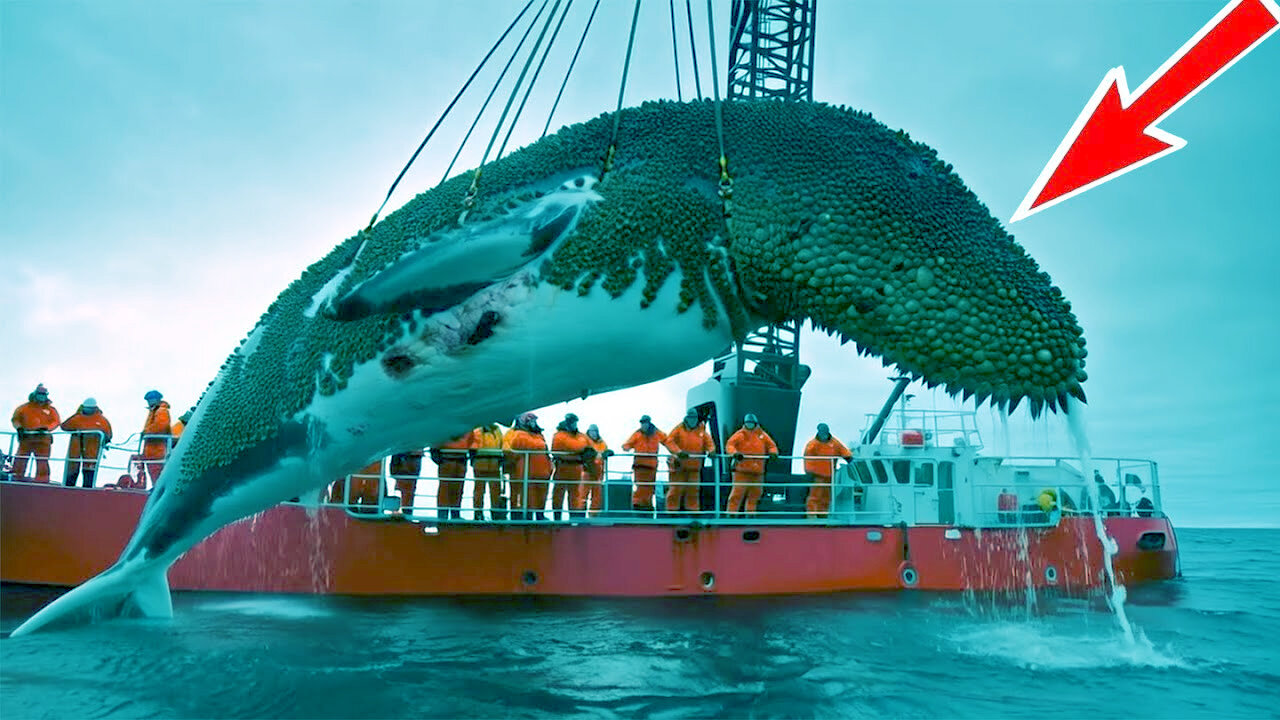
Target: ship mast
770,59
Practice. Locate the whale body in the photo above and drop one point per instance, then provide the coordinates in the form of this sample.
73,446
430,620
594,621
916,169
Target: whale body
587,262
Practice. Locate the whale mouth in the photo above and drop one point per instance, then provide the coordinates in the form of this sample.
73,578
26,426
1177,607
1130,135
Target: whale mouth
455,330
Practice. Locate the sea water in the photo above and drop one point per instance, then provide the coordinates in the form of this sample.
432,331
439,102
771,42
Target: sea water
1204,649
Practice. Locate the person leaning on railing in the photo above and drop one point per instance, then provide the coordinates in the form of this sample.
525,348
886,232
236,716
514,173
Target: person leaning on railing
451,459
590,489
748,447
90,430
644,442
486,466
689,442
530,467
567,447
820,469
35,420
156,435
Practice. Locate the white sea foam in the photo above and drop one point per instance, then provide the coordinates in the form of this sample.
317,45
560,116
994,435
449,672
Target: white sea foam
285,608
1037,645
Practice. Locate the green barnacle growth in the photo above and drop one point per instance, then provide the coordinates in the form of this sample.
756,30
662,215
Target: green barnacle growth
859,228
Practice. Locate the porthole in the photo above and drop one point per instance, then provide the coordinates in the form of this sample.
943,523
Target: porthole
530,578
908,575
708,581
1051,575
750,536
683,534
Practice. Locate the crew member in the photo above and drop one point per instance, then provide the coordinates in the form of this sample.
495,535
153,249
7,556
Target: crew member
156,434
405,469
689,442
451,458
748,447
89,432
644,442
34,420
590,490
820,470
530,467
180,425
569,450
486,466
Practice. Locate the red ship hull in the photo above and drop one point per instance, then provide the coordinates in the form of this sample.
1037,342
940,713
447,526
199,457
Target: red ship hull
52,535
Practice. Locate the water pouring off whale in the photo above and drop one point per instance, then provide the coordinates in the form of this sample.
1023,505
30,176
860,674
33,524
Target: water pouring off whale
382,345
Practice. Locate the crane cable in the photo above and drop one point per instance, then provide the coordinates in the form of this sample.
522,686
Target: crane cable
469,200
445,114
726,180
569,72
538,71
492,91
675,49
693,47
617,115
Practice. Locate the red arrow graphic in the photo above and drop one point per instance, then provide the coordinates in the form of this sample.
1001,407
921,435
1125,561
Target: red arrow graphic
1116,131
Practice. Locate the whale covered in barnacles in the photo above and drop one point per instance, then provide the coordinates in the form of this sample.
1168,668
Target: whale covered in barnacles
594,259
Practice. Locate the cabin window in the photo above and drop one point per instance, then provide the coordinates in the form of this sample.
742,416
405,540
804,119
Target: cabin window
882,475
946,474
924,474
861,472
902,471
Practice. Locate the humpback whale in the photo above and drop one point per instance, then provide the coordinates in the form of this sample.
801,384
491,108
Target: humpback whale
614,252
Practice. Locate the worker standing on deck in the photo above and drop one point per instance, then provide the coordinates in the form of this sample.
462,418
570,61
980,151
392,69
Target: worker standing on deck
820,469
530,467
451,458
748,472
689,443
570,449
89,432
644,442
590,489
34,420
486,466
156,435
405,469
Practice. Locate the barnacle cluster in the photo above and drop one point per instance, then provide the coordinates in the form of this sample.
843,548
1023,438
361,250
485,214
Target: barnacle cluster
868,234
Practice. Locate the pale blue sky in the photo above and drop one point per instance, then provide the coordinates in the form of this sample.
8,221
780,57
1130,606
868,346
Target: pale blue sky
167,168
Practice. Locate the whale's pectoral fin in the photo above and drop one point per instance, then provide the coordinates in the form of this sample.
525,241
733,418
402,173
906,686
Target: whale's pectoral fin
451,266
124,590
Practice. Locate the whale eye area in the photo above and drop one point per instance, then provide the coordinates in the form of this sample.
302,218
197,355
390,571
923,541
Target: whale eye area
398,365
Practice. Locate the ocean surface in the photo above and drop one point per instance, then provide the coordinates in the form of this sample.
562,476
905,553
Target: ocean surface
1204,647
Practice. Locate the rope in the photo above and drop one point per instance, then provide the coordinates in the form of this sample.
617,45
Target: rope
532,81
493,90
726,182
570,70
445,114
617,114
675,49
475,178
693,47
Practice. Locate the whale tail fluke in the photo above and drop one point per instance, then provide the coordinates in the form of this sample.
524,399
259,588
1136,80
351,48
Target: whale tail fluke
136,589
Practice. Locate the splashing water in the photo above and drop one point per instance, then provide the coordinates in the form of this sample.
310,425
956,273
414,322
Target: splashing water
1044,646
1117,594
